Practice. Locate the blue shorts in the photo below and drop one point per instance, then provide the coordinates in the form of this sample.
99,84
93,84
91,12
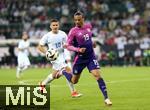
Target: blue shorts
81,63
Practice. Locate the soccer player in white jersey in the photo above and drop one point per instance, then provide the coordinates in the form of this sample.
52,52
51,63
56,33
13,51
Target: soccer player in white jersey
55,40
23,52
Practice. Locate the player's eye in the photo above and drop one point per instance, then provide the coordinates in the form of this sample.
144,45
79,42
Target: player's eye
78,20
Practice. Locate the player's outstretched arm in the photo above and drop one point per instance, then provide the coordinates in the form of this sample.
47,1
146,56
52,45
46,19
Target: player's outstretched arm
94,44
42,49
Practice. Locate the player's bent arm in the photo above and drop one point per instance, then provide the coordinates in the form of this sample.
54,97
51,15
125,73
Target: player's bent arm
94,44
21,49
69,45
42,48
76,49
72,48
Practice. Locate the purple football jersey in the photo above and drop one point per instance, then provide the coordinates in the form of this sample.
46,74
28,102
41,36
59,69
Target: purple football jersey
81,37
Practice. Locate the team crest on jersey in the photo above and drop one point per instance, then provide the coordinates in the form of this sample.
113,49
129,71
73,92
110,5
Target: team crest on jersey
88,29
75,71
80,33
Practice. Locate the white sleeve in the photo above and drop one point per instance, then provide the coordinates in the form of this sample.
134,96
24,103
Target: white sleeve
20,46
28,44
43,41
65,38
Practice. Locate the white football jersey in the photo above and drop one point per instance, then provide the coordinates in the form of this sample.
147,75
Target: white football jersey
54,41
24,44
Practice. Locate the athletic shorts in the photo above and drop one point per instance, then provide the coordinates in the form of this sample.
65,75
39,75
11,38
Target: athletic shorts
23,60
81,63
59,63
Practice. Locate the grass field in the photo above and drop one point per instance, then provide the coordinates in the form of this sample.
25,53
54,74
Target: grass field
129,88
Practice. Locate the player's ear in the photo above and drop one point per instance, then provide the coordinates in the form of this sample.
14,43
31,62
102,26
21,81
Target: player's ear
82,18
50,26
58,25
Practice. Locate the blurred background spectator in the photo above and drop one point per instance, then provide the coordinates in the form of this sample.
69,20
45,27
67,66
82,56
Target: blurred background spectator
120,27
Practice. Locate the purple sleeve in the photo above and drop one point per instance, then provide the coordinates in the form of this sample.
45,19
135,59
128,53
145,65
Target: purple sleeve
72,48
70,39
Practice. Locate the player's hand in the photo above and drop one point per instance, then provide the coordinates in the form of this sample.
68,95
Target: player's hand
94,44
65,46
82,50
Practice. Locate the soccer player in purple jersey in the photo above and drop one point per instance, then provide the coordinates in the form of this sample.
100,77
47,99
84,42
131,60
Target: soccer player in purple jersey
80,41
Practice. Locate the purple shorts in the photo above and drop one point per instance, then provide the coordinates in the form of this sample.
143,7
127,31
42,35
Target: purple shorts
81,63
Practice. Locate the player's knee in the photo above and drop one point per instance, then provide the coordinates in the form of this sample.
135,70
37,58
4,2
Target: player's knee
56,75
68,70
75,81
96,75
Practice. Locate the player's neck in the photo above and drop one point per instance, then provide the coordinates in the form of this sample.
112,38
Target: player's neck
54,32
25,40
81,26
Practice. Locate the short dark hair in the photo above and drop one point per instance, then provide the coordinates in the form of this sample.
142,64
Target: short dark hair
54,20
78,13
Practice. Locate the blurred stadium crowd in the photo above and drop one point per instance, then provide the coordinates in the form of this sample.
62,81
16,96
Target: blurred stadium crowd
121,28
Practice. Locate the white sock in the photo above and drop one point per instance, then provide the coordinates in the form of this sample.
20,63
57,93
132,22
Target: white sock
71,86
24,68
18,72
48,79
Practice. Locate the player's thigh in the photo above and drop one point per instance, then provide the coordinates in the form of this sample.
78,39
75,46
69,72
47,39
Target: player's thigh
20,60
93,67
96,73
56,73
27,61
23,61
58,64
78,68
93,64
